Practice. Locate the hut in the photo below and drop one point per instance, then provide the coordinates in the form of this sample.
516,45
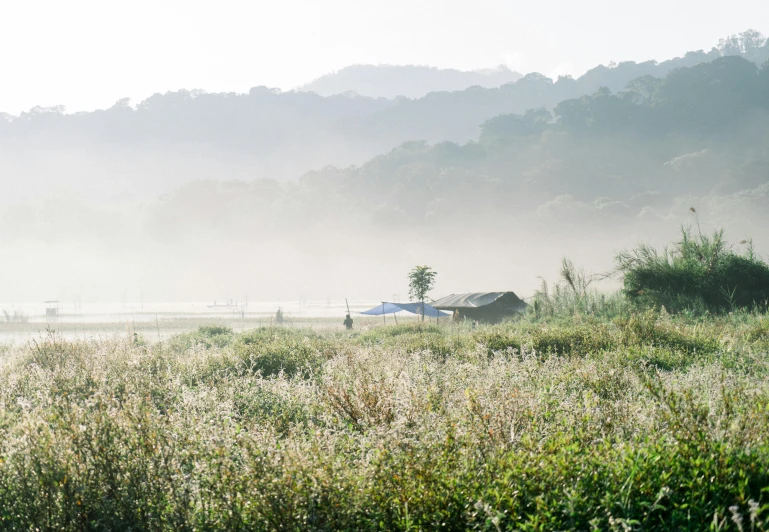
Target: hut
51,309
489,307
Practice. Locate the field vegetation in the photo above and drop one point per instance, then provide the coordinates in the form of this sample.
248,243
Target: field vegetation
699,273
566,419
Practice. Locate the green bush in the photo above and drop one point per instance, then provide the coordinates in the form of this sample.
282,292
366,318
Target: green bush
546,338
648,329
416,338
210,331
275,350
207,336
698,273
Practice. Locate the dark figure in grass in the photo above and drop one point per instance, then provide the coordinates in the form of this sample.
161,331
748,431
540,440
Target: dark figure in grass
348,323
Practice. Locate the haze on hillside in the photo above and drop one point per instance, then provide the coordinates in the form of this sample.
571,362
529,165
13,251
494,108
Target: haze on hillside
411,81
194,195
86,54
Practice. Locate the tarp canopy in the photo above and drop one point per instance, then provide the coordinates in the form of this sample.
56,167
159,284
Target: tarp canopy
474,300
414,308
384,308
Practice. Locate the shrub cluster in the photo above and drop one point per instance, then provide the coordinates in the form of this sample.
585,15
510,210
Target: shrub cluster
698,273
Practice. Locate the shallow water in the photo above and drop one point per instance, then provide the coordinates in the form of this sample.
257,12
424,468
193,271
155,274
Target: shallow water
156,321
74,312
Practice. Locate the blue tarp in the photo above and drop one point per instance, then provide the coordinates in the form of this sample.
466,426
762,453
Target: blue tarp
414,308
384,308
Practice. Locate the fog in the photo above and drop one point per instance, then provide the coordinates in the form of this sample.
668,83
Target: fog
393,81
272,195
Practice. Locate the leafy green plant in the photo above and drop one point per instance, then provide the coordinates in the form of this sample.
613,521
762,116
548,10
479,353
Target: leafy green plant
699,272
572,295
421,281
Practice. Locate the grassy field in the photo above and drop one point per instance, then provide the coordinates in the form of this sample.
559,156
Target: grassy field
165,327
639,423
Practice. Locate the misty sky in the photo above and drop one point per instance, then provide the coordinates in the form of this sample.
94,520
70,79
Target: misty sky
87,54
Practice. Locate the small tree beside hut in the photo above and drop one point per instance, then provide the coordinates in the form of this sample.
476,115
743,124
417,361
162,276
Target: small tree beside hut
421,281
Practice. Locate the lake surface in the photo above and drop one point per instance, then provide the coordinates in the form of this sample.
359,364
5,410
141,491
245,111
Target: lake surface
21,322
73,312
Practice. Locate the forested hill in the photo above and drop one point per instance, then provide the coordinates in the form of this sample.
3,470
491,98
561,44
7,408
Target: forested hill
177,137
699,136
594,174
698,131
410,81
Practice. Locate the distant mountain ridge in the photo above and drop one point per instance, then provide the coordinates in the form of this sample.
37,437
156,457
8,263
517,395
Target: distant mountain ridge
539,169
598,172
174,138
411,81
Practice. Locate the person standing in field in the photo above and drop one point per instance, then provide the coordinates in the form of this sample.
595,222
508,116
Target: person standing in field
348,323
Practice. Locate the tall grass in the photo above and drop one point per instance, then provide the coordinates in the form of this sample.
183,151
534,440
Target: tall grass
647,422
698,273
572,295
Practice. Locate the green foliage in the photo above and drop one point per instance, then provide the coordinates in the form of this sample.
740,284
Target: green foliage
700,272
274,350
209,331
649,329
546,340
571,295
418,338
532,122
421,281
207,336
706,96
648,422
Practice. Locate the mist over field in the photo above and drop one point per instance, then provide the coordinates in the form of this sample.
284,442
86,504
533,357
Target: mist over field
343,265
191,195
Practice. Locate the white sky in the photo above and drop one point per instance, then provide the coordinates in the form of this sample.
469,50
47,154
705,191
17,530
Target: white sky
87,54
